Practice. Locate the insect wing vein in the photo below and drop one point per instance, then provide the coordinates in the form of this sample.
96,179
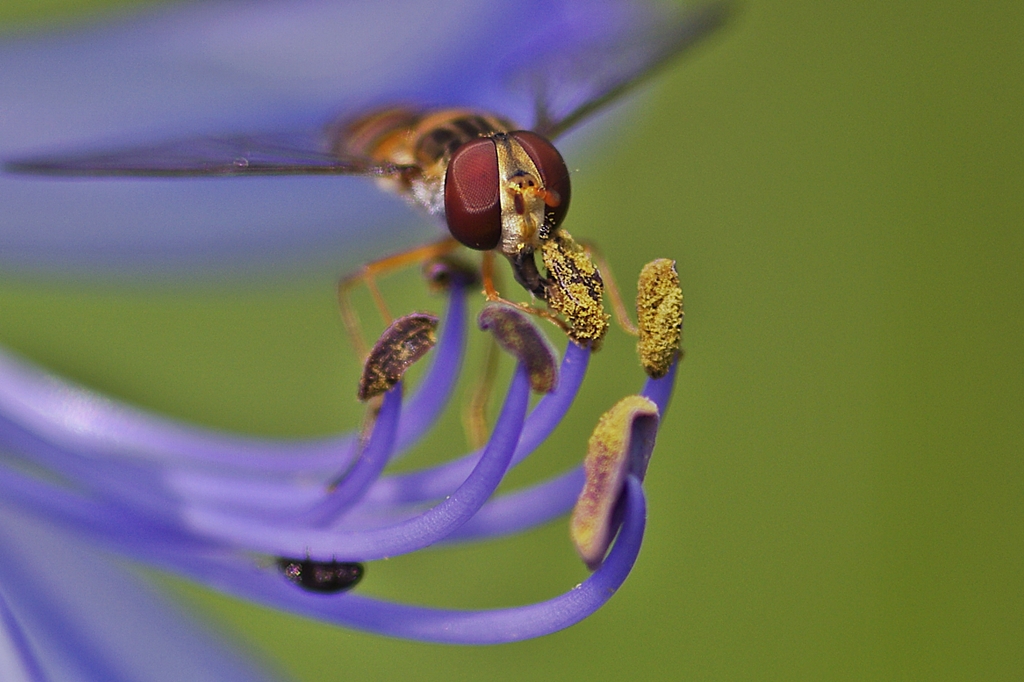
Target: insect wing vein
245,155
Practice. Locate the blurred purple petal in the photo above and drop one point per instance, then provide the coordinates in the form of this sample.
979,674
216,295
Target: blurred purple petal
52,583
18,660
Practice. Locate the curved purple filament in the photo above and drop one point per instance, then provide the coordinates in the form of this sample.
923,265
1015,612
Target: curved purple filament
294,539
449,626
135,506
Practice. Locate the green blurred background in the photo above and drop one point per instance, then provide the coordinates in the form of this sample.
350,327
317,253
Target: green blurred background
838,487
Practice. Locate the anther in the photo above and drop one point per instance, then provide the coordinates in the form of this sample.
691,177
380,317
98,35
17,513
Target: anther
620,446
517,335
659,310
404,342
575,289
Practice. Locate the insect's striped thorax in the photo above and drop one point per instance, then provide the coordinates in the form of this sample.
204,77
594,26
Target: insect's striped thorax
425,139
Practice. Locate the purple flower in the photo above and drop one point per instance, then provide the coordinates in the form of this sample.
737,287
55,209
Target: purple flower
219,509
86,482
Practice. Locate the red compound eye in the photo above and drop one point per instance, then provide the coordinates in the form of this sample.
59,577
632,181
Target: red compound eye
472,204
553,172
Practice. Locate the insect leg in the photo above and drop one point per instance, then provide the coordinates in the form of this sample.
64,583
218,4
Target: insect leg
474,411
366,275
488,275
619,309
491,293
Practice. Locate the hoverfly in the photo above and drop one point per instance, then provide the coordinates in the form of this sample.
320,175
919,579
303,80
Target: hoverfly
499,187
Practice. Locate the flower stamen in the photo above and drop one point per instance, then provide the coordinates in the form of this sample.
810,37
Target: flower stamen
620,446
659,308
575,289
518,336
405,341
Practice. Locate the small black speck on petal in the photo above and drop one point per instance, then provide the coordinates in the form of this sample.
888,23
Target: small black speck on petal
328,577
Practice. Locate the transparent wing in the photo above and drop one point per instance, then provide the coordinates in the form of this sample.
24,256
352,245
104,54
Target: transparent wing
577,78
213,156
206,68
223,66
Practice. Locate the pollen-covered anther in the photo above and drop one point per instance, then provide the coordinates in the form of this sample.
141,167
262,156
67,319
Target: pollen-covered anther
620,446
575,289
403,343
659,310
516,334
